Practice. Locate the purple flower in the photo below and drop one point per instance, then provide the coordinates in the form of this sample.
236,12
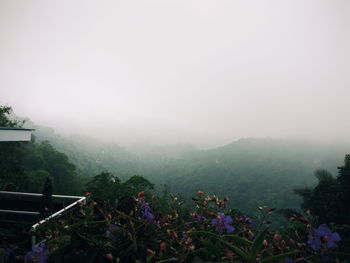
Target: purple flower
288,260
37,254
110,232
322,237
200,219
223,223
146,211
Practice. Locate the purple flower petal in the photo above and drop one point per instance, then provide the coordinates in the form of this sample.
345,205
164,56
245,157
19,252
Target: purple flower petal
335,237
230,229
323,238
228,220
288,260
323,230
223,223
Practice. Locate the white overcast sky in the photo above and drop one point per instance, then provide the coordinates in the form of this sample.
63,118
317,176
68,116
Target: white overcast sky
204,72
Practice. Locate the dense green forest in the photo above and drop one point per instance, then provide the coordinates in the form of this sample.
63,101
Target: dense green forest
26,165
255,171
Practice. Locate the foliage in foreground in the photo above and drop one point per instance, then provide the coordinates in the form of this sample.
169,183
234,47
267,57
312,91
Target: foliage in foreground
329,200
135,231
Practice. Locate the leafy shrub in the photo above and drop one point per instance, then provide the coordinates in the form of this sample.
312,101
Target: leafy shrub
137,232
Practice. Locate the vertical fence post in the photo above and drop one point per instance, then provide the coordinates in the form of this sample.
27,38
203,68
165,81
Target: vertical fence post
33,240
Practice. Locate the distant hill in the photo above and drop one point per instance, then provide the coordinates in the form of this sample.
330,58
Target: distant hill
251,171
165,152
90,156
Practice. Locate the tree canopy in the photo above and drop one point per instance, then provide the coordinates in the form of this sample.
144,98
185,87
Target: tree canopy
328,200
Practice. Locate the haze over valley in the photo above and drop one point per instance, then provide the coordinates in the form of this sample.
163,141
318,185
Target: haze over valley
179,72
252,171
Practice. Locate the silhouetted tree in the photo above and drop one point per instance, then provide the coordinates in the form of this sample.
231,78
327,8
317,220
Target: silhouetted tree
328,200
105,185
46,199
12,175
344,189
136,184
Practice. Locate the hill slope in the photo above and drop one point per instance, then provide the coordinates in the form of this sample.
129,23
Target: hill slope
251,171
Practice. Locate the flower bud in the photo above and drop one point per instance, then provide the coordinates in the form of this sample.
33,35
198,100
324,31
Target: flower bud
229,254
188,240
150,251
277,237
109,256
162,246
191,247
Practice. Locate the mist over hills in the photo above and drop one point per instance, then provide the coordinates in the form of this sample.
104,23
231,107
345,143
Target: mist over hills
251,171
91,156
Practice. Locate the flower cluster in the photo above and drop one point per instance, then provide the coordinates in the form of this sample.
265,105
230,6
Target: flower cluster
223,223
209,233
146,211
38,254
245,220
111,232
323,238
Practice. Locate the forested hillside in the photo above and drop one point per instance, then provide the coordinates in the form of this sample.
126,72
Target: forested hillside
90,156
251,171
26,165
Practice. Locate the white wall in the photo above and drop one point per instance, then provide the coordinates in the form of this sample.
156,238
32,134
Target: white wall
14,135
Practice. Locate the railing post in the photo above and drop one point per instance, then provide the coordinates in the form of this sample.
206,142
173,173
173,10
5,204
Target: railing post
33,240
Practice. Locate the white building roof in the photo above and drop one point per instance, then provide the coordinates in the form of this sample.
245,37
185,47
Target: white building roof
9,134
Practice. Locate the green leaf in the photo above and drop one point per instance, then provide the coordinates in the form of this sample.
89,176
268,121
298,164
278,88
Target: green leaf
91,239
197,260
338,254
168,260
239,239
212,249
61,241
84,223
239,251
279,257
257,245
149,258
203,233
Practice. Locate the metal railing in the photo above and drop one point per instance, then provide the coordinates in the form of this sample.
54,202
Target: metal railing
81,201
34,227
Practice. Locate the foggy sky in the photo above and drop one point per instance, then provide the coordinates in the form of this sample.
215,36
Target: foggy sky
205,72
